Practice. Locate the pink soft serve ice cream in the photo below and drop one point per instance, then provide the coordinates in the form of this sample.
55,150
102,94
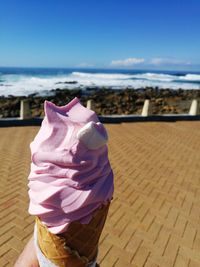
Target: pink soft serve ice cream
70,172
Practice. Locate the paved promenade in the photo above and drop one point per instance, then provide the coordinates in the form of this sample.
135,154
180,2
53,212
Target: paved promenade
154,219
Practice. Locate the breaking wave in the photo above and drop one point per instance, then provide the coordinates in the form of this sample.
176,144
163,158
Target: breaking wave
25,84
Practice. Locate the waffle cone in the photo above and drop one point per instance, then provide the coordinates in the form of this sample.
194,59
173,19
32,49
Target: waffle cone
77,246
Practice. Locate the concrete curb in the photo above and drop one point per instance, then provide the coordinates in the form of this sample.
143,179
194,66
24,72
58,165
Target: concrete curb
160,118
12,122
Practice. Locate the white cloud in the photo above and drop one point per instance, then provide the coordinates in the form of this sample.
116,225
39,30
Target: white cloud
168,61
85,65
127,62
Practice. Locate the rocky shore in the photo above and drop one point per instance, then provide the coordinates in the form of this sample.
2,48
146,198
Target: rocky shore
106,101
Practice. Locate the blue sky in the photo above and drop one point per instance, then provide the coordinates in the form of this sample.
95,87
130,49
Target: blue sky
151,34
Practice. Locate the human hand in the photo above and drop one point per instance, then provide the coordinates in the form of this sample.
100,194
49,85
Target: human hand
28,256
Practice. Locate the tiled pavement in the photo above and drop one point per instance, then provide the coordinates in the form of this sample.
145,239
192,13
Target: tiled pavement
154,219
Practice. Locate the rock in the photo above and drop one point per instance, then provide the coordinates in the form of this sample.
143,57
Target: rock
139,101
107,101
159,101
32,95
71,82
11,96
67,82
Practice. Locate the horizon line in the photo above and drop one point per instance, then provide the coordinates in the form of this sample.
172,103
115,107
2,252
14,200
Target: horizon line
99,68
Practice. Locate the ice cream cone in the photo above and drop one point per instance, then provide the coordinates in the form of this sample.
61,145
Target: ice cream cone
70,185
77,246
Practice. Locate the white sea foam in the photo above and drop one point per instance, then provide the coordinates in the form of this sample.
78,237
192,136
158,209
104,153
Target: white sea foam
27,84
136,80
191,77
155,77
106,76
24,85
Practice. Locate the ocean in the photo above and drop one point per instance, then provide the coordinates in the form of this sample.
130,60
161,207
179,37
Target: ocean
25,81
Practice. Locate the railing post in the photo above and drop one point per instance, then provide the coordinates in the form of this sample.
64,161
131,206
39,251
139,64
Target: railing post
90,104
145,109
193,108
24,110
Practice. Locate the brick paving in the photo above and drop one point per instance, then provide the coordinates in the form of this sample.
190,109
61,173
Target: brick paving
154,219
